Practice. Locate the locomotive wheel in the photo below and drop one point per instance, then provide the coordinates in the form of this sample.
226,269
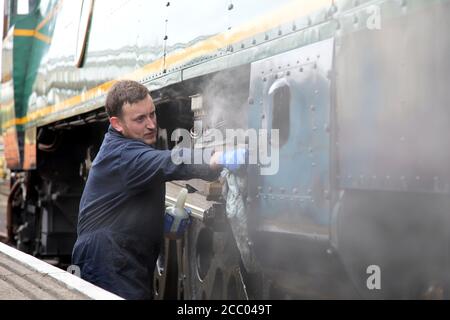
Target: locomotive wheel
166,273
19,229
211,265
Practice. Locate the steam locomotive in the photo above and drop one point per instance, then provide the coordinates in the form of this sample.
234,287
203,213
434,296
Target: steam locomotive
357,90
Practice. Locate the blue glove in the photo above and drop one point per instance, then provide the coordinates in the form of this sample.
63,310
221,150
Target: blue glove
232,160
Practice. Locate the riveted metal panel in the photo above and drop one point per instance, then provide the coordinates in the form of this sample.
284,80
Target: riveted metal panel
296,198
392,104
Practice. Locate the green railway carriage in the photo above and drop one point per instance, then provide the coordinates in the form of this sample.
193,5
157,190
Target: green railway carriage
356,89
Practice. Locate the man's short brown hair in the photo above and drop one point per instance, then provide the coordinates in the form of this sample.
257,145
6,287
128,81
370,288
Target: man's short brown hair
122,92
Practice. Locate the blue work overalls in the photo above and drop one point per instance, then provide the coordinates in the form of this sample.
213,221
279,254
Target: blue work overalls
120,222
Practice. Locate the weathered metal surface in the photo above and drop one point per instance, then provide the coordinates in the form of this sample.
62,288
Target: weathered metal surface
392,104
153,45
157,50
296,194
138,50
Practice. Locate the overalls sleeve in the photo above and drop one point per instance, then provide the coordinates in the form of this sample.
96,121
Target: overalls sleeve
144,166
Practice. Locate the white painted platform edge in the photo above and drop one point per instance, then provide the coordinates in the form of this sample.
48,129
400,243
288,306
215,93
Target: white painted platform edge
69,280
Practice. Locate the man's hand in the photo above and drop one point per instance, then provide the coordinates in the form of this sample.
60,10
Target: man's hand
232,160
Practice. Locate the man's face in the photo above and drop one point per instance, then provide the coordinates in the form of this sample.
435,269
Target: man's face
138,121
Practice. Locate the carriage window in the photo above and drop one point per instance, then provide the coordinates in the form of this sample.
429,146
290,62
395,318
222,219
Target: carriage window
23,7
281,112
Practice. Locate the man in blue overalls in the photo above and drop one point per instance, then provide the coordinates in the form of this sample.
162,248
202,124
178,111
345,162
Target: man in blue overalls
120,223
